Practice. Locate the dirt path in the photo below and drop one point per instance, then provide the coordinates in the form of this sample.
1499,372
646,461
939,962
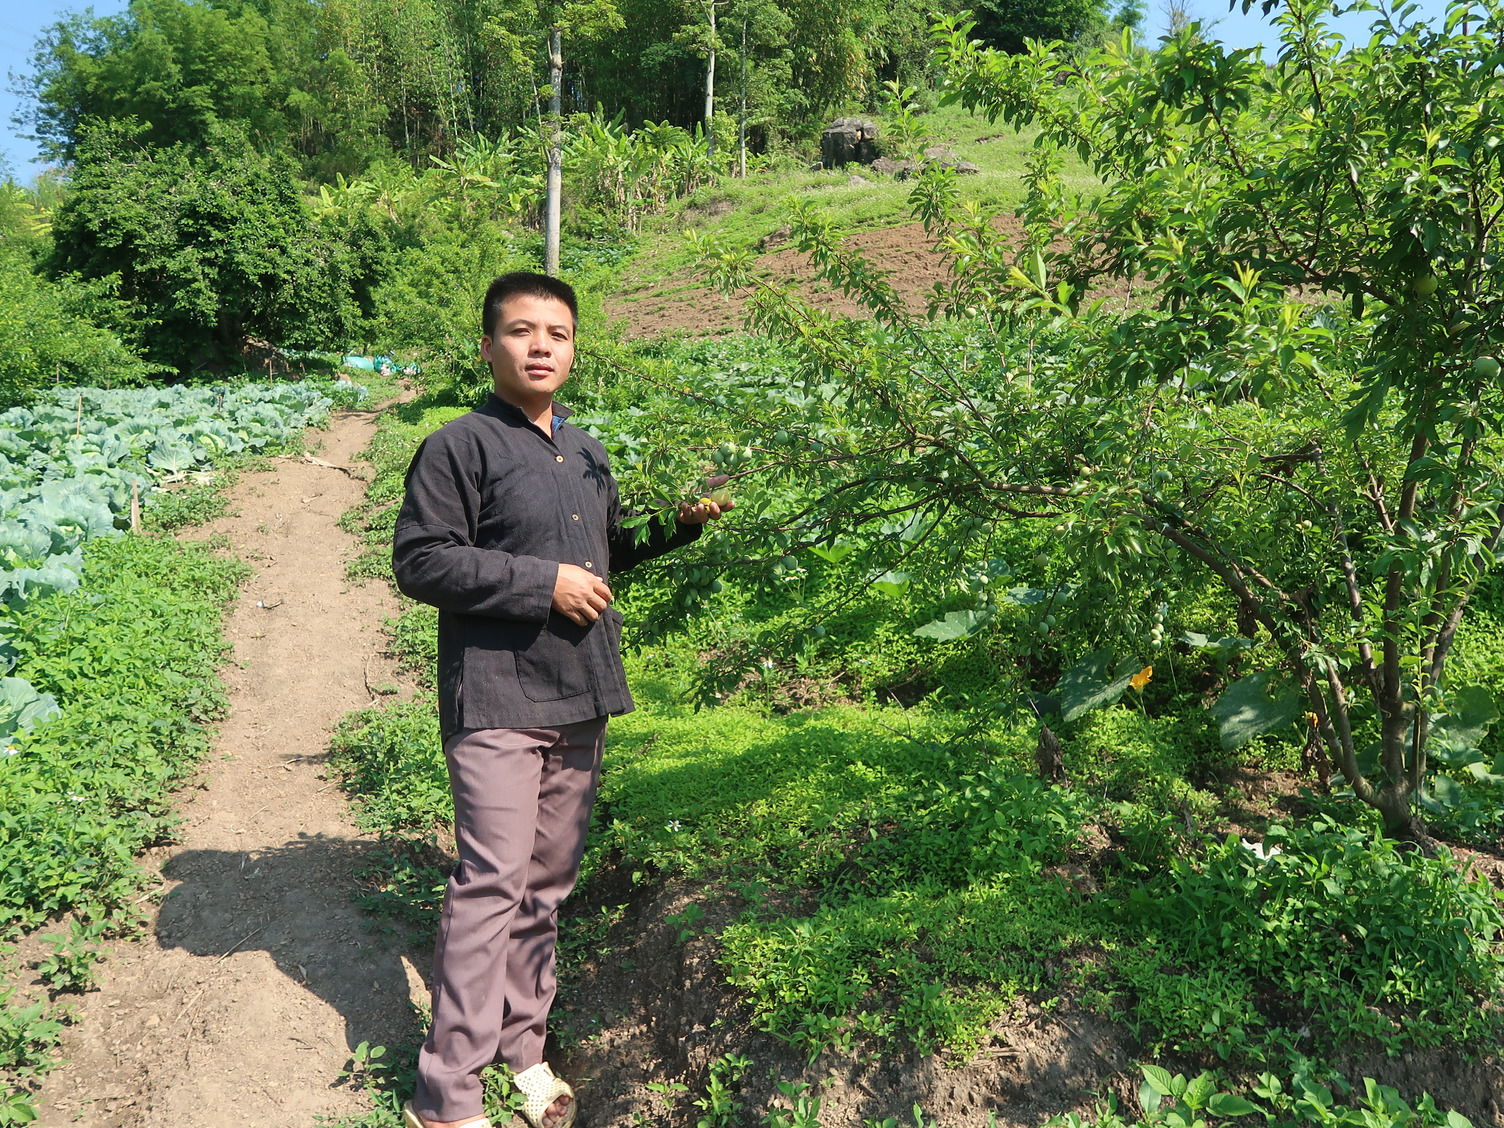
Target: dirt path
258,975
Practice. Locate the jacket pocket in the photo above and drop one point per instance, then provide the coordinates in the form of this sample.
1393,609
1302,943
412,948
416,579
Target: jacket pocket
555,664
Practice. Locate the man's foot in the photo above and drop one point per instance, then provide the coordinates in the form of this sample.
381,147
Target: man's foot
410,1116
554,1114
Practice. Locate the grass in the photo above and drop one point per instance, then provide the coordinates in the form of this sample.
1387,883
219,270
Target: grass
745,211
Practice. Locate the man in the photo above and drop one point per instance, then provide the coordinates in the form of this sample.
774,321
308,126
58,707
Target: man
511,526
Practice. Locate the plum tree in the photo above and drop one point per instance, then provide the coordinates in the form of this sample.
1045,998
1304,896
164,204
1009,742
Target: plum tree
1332,466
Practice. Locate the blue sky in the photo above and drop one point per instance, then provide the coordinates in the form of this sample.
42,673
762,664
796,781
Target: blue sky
21,21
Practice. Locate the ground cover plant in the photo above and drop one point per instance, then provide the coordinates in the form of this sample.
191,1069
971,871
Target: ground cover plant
112,640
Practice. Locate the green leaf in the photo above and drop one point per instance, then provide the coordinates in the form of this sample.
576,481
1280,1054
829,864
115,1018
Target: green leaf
1025,596
1483,775
1093,682
1158,1079
1229,1104
892,583
1471,712
956,624
834,554
21,706
1225,646
1444,794
1246,709
1199,1090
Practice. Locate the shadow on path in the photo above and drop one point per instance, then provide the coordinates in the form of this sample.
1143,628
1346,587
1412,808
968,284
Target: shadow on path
293,902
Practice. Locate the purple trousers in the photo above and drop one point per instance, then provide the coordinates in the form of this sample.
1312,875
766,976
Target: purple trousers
522,800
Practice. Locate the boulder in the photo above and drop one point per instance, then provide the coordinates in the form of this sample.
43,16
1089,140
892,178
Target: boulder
776,238
899,170
938,156
848,140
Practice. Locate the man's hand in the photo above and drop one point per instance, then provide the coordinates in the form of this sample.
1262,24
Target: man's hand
580,595
697,513
702,511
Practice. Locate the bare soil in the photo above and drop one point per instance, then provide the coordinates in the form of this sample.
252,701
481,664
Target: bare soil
905,255
904,252
258,975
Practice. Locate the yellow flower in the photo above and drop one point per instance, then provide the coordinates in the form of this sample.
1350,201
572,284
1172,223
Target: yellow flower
1141,679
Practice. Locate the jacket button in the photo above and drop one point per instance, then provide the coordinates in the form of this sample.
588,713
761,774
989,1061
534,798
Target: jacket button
558,458
590,563
576,516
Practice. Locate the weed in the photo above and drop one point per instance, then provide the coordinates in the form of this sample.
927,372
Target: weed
197,505
1322,919
579,935
367,1068
685,921
29,1035
1172,1101
719,1104
805,1110
668,1092
70,967
499,1096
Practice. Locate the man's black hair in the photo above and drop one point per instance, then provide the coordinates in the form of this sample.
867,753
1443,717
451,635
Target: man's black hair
527,283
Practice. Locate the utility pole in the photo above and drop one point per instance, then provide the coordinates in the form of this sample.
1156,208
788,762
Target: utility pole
742,131
555,152
710,89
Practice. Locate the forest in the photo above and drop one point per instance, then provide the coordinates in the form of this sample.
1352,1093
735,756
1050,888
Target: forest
1089,713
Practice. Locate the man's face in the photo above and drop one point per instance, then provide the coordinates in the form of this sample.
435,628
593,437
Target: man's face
533,349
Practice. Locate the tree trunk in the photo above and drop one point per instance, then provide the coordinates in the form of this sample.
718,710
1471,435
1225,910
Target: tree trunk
710,90
742,132
555,153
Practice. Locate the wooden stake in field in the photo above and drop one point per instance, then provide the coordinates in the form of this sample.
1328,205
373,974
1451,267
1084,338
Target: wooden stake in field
135,505
78,427
269,372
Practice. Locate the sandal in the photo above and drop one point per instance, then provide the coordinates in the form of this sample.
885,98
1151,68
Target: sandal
541,1088
411,1119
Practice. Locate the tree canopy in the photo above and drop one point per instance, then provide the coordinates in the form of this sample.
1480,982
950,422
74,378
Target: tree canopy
343,84
209,243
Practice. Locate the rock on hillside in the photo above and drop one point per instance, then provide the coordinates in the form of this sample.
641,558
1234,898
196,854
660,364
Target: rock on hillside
848,140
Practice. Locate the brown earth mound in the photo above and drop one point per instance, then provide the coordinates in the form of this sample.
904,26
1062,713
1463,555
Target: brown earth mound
905,254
